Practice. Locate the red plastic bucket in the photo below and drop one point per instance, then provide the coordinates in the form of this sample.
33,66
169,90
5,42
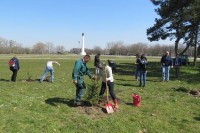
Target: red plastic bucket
136,99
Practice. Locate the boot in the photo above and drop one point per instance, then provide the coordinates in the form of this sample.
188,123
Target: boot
116,104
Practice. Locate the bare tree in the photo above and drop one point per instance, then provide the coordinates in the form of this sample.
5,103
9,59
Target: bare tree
50,47
60,49
97,50
39,48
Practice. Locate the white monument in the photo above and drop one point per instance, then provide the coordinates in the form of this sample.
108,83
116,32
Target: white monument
83,47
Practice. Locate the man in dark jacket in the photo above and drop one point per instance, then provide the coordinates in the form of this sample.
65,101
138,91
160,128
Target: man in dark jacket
14,67
166,62
80,69
96,63
143,64
177,64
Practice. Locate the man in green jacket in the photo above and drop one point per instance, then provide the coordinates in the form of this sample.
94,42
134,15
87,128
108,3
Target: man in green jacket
80,69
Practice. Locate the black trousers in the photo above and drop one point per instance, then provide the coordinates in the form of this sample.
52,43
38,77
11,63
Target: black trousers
110,87
14,75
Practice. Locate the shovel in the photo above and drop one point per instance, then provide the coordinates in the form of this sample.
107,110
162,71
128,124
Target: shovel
109,106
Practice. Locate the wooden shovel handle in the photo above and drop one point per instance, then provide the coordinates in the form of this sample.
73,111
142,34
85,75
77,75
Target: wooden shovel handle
106,87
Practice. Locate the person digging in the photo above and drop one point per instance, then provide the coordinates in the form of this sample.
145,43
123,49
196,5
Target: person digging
107,79
80,69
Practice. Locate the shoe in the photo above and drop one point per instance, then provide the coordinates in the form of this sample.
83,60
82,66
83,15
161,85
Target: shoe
116,104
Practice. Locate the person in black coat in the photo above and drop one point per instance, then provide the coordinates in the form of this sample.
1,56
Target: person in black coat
143,64
166,63
96,63
14,67
177,64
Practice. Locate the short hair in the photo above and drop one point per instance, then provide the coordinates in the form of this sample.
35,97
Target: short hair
87,55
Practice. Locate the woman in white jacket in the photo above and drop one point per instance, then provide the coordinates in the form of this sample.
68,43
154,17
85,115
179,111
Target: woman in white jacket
107,76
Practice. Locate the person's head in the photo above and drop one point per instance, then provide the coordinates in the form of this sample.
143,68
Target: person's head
142,56
102,65
167,53
86,58
137,55
177,55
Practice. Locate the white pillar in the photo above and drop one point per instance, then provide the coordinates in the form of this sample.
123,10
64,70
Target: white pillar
83,46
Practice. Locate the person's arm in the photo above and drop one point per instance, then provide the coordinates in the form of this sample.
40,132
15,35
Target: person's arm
89,73
17,63
56,63
171,62
162,60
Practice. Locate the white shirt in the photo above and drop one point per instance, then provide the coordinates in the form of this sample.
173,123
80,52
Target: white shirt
108,73
50,63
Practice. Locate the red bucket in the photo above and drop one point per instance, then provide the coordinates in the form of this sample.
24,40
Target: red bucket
136,99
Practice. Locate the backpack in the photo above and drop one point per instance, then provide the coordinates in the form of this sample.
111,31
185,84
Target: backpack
11,63
143,64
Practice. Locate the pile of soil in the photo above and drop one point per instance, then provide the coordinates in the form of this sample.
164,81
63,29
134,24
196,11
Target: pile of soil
96,111
195,93
93,112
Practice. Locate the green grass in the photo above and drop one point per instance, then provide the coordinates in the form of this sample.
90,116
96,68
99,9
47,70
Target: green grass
47,107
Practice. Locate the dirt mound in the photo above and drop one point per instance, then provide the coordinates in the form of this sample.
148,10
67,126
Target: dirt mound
93,112
96,111
195,93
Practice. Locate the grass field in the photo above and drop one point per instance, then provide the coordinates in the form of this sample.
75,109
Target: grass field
30,106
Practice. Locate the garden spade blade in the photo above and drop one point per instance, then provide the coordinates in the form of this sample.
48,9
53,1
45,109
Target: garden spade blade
109,108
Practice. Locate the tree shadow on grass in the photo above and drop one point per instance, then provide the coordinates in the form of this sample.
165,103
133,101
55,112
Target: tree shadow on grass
130,104
154,71
69,102
197,118
56,100
5,80
126,84
124,79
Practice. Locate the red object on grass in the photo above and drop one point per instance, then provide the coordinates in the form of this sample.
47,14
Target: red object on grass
136,99
109,108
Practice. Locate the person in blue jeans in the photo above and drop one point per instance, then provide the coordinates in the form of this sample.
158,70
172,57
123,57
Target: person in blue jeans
49,68
166,63
143,70
137,62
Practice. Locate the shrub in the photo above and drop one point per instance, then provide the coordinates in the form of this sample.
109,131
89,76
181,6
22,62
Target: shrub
92,93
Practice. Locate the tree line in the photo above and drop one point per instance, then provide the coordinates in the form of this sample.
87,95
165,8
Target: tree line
112,48
119,48
10,46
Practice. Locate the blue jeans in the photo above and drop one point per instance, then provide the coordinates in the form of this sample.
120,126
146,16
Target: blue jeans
136,73
143,75
48,69
165,73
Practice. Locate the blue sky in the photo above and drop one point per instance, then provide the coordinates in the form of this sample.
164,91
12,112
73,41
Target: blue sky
62,22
